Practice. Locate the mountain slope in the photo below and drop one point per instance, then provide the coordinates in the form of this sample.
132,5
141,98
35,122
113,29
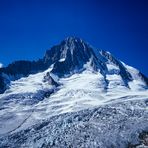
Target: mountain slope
115,125
74,90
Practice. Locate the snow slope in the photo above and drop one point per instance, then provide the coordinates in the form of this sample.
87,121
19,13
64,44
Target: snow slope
117,125
24,103
16,104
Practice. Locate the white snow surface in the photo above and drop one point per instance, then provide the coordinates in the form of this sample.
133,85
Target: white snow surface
111,66
77,92
31,84
82,100
1,65
62,60
137,83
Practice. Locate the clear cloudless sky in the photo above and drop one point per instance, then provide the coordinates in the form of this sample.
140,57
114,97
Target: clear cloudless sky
29,27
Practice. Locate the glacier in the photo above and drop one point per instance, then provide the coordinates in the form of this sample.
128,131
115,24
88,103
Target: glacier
80,97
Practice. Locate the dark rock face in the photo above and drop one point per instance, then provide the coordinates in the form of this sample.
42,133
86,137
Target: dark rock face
123,72
50,80
126,76
70,56
24,67
143,141
2,85
144,78
18,69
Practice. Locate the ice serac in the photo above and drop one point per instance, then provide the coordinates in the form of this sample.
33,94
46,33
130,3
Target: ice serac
70,56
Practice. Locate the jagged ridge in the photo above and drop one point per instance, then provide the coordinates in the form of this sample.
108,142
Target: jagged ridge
68,57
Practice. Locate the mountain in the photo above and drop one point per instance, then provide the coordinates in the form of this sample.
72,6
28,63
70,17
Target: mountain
75,96
69,57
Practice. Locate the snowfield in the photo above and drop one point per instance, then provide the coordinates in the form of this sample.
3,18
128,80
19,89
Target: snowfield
82,94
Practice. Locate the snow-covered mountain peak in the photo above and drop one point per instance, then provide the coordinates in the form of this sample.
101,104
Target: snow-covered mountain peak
70,56
74,45
73,55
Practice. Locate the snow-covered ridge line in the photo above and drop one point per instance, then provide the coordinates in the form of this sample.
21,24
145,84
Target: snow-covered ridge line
69,57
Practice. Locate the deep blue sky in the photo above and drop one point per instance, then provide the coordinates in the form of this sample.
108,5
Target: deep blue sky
29,27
